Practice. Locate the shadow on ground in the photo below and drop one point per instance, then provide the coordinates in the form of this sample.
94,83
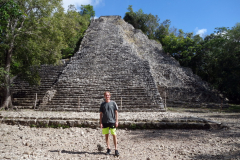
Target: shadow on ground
77,152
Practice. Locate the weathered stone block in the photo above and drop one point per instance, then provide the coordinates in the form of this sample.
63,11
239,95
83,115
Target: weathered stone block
42,123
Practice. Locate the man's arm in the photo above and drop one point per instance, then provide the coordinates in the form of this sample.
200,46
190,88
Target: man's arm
101,114
116,115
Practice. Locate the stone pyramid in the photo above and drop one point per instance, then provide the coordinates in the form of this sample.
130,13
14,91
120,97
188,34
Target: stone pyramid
105,62
115,57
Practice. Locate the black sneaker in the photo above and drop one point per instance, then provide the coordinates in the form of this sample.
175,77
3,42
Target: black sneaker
116,153
108,151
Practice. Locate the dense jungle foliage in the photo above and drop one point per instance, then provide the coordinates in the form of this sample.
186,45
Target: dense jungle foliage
215,58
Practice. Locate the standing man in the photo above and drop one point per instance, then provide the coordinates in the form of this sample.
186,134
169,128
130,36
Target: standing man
109,120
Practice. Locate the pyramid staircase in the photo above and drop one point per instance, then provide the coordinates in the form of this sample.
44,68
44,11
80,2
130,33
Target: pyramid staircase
24,95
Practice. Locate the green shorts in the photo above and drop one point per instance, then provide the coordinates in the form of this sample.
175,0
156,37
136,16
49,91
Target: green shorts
106,128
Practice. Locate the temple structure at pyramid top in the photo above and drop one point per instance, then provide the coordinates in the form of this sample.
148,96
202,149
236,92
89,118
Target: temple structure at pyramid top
115,57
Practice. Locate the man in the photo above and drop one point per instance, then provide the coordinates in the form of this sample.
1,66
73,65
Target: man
109,120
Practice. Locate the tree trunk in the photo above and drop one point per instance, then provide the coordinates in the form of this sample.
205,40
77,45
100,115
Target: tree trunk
7,99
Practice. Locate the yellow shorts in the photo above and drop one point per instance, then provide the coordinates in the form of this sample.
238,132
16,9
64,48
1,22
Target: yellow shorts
106,130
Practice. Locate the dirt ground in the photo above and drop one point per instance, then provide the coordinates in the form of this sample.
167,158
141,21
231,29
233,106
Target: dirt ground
22,142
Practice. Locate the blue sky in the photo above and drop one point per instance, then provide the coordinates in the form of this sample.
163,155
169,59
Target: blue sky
197,16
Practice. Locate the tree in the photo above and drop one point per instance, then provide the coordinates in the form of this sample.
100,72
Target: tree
87,10
163,30
221,61
131,17
148,23
151,23
182,47
9,11
28,38
74,28
76,23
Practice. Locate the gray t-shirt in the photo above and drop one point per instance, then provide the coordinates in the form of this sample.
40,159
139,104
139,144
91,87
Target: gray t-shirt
108,110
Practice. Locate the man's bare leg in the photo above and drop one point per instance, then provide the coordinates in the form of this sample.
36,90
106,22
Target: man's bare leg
107,140
115,141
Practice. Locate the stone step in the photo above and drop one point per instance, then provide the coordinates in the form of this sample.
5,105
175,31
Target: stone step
24,94
128,101
92,95
163,123
75,105
89,105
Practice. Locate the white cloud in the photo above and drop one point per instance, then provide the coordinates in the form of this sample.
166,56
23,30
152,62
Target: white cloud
78,3
201,32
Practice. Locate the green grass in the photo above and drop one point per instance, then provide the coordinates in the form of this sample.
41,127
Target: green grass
233,108
133,126
33,125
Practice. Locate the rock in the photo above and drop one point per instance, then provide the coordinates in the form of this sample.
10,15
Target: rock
27,152
100,147
82,133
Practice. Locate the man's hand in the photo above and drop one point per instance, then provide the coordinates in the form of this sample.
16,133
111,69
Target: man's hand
116,124
101,114
116,114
